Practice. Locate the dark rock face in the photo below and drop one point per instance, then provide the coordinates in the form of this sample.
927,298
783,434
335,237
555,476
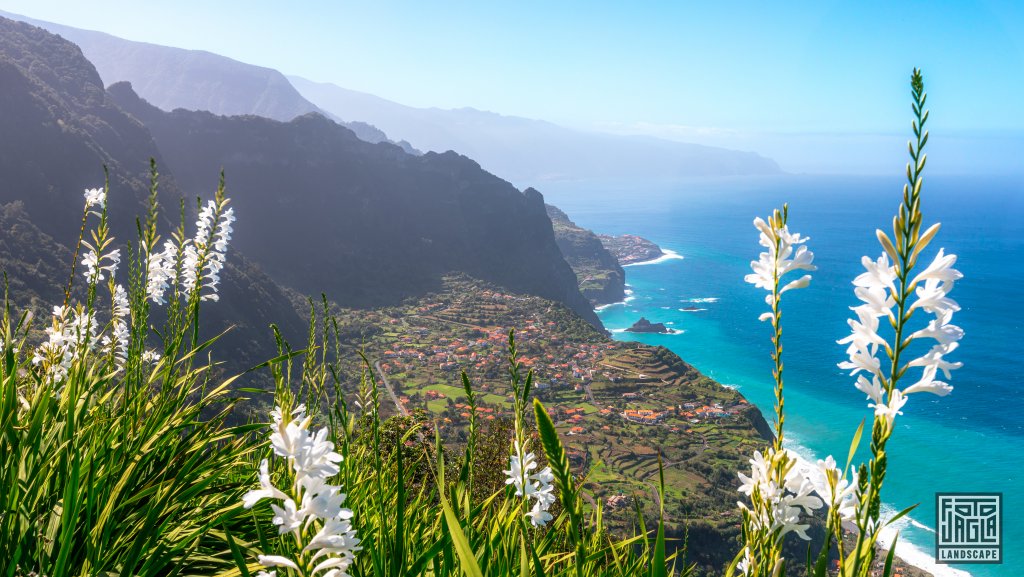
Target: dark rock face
645,326
367,224
59,129
600,277
318,208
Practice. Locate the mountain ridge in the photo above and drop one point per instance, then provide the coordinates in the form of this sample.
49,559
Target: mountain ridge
171,77
392,225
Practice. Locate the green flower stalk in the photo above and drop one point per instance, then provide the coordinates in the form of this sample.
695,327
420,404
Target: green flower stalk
889,290
777,487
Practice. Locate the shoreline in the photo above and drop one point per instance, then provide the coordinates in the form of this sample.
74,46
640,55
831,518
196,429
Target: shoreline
666,255
908,552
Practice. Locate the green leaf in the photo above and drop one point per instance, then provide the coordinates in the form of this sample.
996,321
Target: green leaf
853,445
467,560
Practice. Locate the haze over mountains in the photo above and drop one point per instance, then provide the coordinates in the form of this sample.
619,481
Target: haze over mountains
522,150
195,79
526,150
319,210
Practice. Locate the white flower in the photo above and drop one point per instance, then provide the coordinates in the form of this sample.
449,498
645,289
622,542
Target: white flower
777,503
538,515
336,536
95,197
862,358
189,268
878,274
161,271
836,490
536,486
890,410
785,253
873,389
932,298
206,251
267,489
94,269
120,309
746,563
312,461
515,473
802,282
928,384
940,269
934,358
287,518
67,340
276,561
316,458
944,333
877,301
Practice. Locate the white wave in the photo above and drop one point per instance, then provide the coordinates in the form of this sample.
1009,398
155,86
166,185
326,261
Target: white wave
921,526
666,254
909,552
629,298
688,310
700,300
616,330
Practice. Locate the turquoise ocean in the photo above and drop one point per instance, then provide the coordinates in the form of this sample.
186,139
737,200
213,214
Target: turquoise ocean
971,440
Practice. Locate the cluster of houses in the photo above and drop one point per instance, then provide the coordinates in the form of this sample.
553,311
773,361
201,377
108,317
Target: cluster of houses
643,416
484,353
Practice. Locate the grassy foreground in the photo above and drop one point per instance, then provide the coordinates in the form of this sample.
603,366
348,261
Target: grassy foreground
117,456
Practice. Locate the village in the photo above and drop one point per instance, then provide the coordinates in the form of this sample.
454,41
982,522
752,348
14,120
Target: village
425,351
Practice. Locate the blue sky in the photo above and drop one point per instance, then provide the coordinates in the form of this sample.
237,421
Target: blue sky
742,74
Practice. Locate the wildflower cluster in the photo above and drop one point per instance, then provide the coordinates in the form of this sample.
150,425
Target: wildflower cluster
838,492
162,272
116,344
537,486
880,288
71,334
887,289
199,260
204,256
310,508
779,491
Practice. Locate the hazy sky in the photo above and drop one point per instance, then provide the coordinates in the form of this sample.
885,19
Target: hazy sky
744,74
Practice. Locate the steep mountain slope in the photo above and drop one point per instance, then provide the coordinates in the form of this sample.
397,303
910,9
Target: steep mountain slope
366,223
195,79
58,130
521,149
601,278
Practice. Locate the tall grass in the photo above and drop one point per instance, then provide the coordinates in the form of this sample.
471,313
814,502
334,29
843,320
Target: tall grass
117,456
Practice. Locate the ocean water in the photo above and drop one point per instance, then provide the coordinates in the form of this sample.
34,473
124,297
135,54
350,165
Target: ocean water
971,440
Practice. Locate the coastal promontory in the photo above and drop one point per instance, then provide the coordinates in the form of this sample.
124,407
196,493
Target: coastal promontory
630,249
